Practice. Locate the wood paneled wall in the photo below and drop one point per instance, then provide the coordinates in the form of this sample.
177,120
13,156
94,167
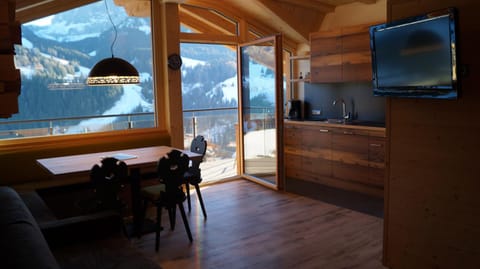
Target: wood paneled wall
432,200
10,34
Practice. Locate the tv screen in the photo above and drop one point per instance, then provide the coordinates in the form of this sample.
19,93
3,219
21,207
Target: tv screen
415,57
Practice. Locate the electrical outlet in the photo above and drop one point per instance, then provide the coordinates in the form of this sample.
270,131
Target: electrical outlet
316,112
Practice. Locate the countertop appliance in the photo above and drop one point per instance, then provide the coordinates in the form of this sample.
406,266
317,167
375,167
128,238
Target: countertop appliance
294,109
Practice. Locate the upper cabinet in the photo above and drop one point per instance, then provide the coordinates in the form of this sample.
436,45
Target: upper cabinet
341,55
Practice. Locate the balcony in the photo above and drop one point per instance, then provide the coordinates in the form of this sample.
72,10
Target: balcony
75,125
219,126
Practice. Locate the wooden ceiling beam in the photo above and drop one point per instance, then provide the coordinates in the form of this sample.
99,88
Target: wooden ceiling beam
368,1
210,21
31,10
265,30
258,24
217,5
192,23
309,4
135,8
234,13
25,4
302,19
200,27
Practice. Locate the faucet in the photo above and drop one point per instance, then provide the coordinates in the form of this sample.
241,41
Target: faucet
344,110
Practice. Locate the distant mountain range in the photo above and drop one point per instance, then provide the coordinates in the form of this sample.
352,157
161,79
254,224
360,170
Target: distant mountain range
59,51
84,32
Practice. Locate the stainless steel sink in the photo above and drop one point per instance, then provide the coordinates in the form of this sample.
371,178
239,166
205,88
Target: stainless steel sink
337,121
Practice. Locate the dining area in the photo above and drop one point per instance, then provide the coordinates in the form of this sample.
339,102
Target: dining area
130,182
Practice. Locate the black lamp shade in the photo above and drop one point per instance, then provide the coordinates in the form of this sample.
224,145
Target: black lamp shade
113,71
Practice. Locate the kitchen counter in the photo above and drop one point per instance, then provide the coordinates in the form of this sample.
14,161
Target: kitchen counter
357,125
344,156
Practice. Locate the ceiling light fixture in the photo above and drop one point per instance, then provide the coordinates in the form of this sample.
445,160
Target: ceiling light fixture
112,71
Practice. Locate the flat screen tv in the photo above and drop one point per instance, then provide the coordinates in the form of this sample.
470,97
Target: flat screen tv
416,57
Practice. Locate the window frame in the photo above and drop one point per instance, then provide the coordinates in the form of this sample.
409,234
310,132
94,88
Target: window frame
25,15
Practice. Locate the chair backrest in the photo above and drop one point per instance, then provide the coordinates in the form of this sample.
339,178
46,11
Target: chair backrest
107,179
199,145
172,167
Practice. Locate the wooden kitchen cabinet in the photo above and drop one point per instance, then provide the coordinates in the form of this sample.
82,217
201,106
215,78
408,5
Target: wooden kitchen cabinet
376,159
307,152
326,56
359,156
347,158
317,153
292,151
350,155
356,55
341,55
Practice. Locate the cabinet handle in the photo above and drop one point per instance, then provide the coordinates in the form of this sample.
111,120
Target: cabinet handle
324,131
348,133
375,145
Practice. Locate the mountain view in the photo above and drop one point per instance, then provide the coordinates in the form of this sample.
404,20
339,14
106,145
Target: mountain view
58,51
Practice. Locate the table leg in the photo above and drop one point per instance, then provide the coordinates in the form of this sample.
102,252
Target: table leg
137,210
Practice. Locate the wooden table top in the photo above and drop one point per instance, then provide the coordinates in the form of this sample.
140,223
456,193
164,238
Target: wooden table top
146,157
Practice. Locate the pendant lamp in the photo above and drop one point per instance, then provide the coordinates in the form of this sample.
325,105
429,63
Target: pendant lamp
112,71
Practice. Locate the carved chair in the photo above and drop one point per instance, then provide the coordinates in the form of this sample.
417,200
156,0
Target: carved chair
169,193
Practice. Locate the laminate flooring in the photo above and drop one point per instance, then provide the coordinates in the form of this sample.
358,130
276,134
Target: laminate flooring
251,226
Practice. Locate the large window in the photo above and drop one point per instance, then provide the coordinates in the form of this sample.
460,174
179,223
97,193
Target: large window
55,58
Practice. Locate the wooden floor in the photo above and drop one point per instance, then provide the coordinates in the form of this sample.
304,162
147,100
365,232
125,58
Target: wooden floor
250,226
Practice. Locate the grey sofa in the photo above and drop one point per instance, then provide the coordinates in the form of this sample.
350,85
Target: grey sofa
90,241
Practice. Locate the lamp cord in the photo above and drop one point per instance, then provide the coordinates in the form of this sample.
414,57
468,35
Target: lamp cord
114,27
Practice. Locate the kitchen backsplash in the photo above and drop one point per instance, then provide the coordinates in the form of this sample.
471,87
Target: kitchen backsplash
358,99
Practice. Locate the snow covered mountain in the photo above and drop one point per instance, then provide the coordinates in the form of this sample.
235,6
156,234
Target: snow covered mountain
77,24
61,49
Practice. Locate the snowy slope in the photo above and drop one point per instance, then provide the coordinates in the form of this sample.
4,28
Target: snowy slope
131,99
74,25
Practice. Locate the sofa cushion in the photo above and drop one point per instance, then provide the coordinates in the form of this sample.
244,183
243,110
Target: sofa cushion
37,207
22,244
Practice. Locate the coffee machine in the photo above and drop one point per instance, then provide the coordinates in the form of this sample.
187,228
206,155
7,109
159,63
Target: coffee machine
294,109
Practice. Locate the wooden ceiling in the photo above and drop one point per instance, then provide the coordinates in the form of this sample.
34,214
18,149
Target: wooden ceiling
294,18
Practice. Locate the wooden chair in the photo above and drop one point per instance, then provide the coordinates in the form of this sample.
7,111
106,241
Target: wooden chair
107,181
193,175
169,193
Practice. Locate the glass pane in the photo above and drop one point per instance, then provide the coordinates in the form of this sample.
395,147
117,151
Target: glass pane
55,58
258,111
210,105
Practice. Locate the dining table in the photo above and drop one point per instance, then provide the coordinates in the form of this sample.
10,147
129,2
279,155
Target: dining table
141,163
